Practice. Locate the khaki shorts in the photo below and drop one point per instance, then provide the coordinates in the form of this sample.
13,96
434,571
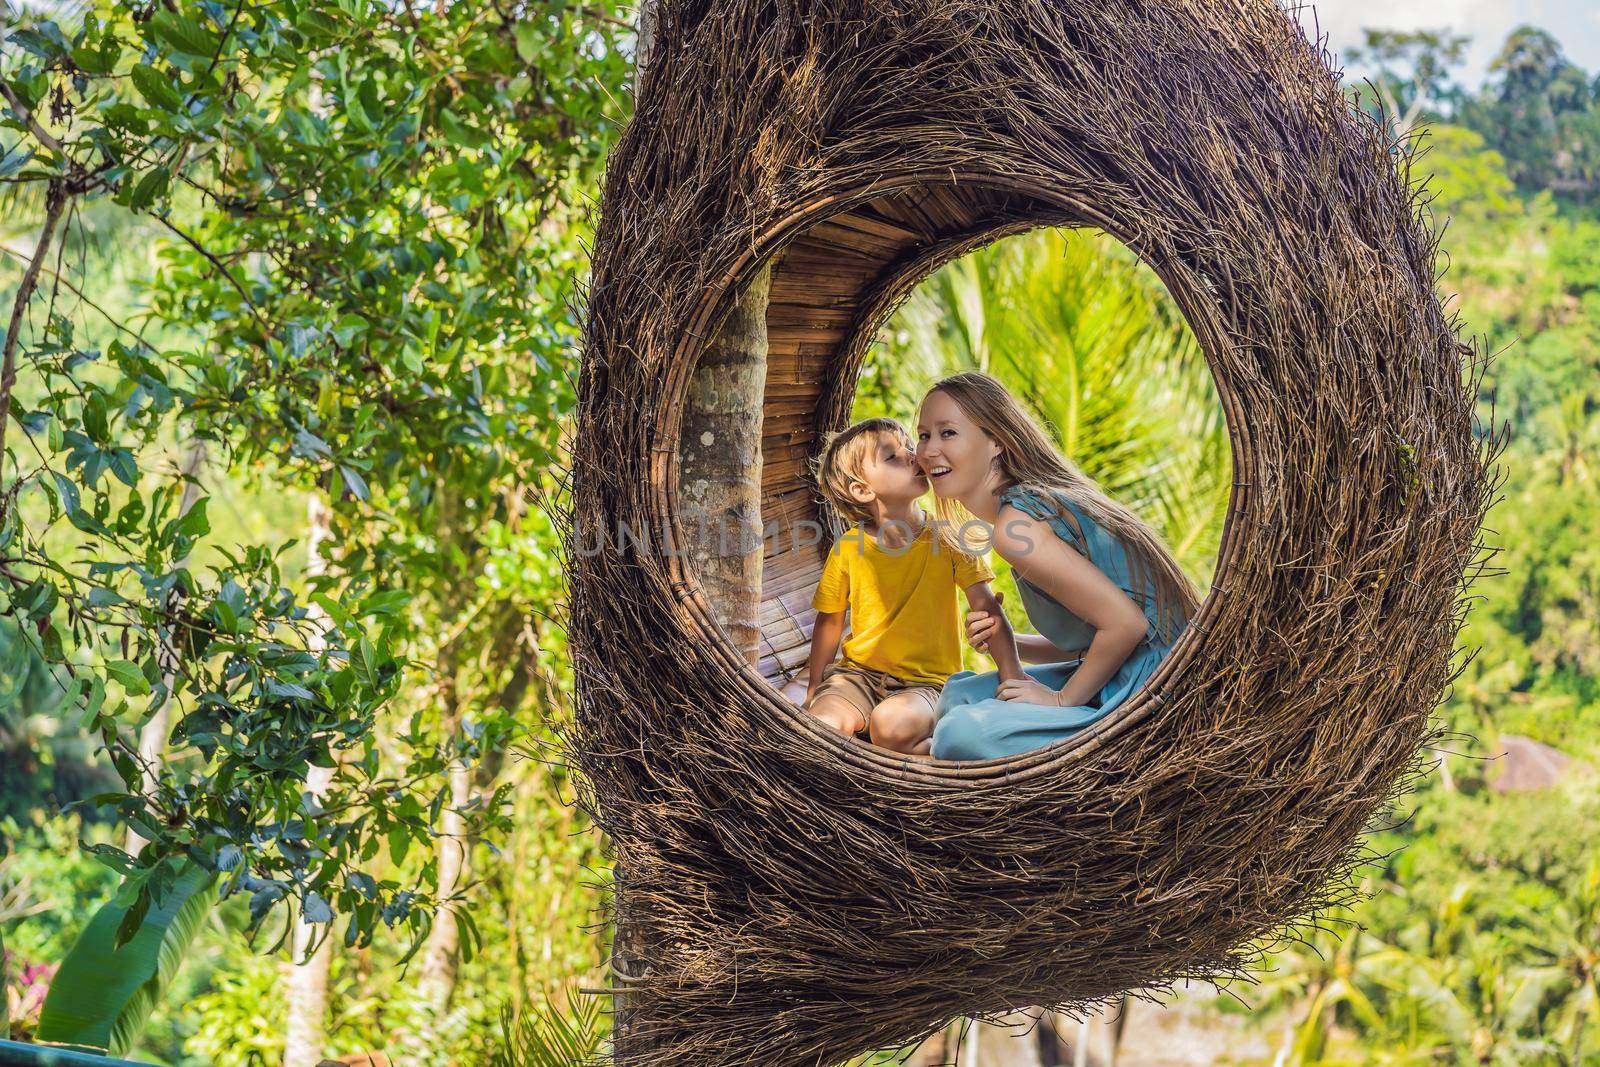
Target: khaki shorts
864,689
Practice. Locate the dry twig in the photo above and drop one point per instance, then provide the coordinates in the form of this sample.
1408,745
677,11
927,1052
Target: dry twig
804,898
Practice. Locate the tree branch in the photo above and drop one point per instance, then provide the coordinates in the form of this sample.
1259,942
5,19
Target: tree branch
221,268
595,13
32,123
79,293
1413,113
55,204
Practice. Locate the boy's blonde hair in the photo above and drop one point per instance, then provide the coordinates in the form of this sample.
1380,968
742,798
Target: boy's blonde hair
844,460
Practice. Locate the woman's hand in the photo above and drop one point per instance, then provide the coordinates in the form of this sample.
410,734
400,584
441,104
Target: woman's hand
981,626
1028,691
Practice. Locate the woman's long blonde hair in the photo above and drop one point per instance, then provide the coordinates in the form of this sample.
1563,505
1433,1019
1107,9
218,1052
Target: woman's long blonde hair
1028,458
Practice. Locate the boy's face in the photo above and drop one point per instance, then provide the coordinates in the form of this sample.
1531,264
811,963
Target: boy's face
890,474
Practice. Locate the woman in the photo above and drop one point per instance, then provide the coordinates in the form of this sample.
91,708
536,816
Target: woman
1106,595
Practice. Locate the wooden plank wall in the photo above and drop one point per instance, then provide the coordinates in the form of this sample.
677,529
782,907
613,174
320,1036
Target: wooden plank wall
824,286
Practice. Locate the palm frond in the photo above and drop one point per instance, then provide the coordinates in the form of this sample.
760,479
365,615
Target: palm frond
1088,337
552,1036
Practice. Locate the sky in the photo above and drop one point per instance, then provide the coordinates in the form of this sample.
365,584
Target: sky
1575,23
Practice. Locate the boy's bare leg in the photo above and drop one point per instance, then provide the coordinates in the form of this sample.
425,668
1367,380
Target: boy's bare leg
839,713
904,723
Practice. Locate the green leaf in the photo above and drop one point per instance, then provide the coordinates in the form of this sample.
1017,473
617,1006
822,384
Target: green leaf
102,597
459,133
156,88
95,419
97,61
387,602
103,994
349,327
124,467
195,521
129,674
150,186
67,491
527,41
94,699
363,660
399,844
51,644
356,484
13,161
37,599
315,909
43,43
371,104
316,25
185,34
227,618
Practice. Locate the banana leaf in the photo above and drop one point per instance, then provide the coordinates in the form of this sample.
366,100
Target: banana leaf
103,993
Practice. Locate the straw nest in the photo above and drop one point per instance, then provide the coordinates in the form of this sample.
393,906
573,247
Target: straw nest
796,898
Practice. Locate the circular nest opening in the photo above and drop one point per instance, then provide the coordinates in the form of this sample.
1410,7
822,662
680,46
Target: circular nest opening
837,275
793,898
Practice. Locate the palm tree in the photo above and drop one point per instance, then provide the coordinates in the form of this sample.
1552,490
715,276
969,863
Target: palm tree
1466,990
1325,977
1085,334
1566,937
565,1027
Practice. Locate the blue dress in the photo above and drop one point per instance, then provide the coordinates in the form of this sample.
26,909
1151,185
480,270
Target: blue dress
974,724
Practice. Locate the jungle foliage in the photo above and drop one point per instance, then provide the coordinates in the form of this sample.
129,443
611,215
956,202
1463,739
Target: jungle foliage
284,396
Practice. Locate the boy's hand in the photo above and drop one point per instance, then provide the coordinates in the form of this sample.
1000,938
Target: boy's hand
981,626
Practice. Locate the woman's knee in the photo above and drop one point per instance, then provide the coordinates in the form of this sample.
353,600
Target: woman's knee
966,687
959,735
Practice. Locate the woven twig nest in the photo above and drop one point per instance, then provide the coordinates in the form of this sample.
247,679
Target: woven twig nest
803,897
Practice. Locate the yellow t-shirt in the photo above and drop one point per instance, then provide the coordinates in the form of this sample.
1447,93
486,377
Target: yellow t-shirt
905,611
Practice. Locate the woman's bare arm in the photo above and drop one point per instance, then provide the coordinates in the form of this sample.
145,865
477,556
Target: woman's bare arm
1041,649
1031,648
1075,583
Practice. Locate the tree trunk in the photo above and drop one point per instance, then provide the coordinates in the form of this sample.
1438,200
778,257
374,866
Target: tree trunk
934,1052
1014,1043
719,511
154,734
306,1033
5,988
629,956
442,954
719,486
1080,1046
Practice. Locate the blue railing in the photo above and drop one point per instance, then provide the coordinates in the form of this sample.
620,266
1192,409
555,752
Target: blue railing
14,1054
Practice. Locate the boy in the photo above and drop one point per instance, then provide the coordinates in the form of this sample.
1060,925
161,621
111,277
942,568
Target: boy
898,579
